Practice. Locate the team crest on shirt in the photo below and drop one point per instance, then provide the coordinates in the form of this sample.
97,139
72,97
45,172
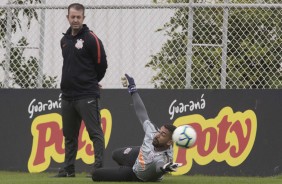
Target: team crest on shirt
79,43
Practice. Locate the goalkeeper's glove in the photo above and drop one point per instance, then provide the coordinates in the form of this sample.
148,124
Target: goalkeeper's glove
128,81
170,167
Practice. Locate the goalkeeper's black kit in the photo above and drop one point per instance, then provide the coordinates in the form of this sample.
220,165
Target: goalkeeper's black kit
137,163
84,66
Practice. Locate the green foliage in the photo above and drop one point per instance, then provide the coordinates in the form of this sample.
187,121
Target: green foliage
17,12
253,49
24,71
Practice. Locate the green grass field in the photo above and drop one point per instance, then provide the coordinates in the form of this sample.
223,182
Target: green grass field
45,178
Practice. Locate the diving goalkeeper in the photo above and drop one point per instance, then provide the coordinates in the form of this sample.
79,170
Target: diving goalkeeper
148,162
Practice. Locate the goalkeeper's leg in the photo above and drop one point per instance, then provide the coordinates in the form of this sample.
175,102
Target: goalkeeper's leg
126,156
122,173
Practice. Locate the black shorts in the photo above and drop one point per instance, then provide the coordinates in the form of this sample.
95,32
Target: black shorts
125,158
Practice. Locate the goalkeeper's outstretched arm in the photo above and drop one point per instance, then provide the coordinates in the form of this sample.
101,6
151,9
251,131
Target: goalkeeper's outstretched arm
140,108
138,104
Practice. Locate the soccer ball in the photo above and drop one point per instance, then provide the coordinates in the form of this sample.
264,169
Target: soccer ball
184,136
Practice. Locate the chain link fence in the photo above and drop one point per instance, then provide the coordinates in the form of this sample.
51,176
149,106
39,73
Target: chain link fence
205,44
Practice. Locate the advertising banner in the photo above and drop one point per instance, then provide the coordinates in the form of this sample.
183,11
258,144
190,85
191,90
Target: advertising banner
238,131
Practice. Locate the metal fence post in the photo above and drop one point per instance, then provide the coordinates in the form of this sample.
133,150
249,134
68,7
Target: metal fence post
189,46
8,41
224,45
41,47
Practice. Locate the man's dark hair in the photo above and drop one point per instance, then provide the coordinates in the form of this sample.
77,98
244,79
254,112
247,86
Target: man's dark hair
170,128
76,6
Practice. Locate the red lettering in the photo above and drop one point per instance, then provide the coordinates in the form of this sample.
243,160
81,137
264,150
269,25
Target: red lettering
223,127
202,138
242,141
181,156
229,137
55,138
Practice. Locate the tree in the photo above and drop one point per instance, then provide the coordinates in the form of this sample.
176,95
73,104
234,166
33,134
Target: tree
24,71
253,53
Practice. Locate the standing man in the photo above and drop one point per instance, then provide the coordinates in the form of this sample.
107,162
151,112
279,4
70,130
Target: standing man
84,66
149,162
